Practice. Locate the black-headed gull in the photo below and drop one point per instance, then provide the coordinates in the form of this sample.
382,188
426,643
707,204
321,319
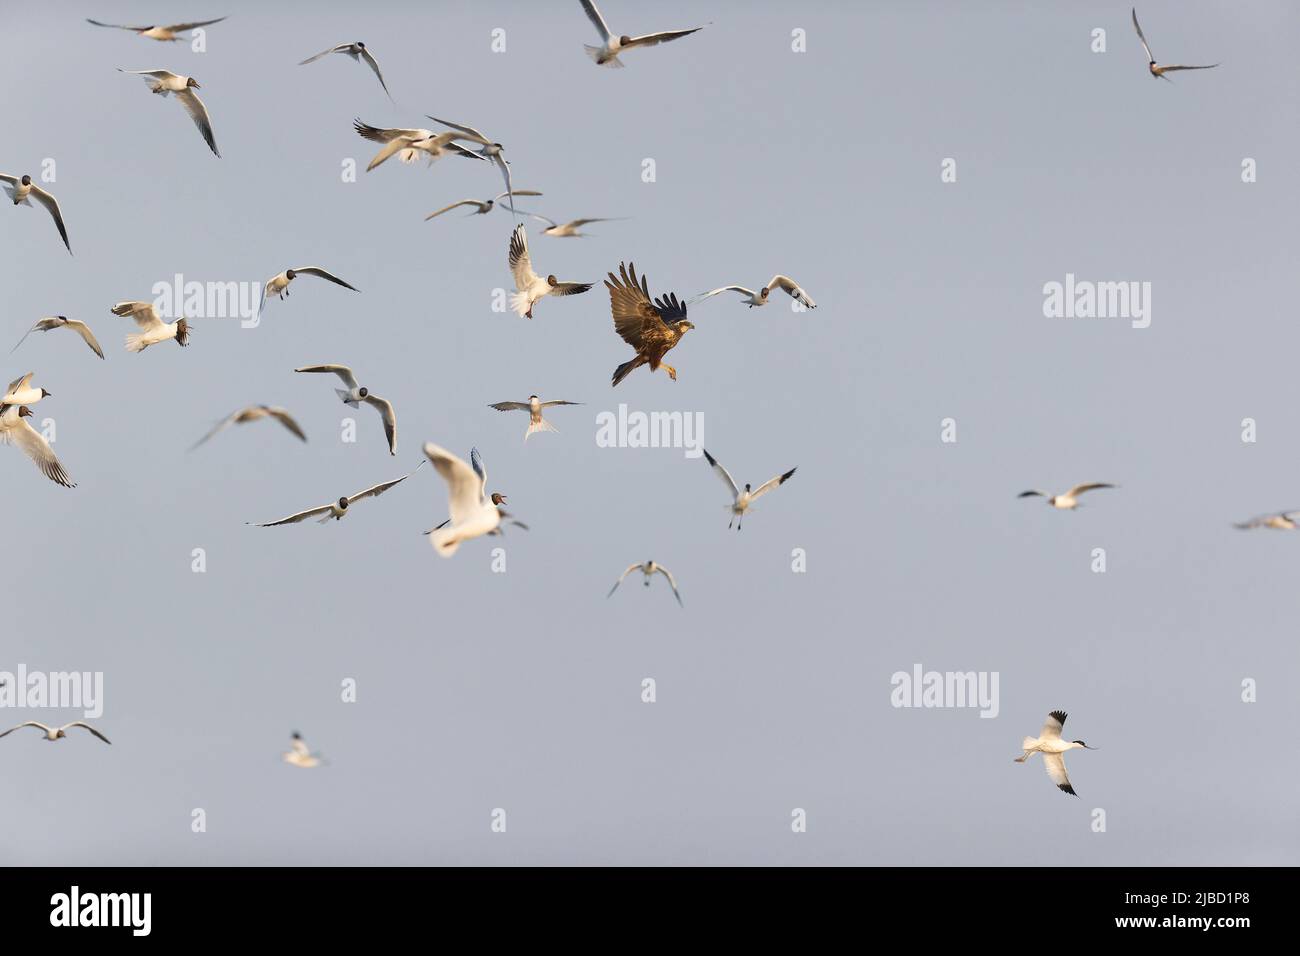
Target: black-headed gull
335,509
649,569
355,394
154,329
1157,70
163,34
652,328
22,191
534,406
299,755
20,392
358,52
164,82
278,285
483,206
529,286
759,298
473,514
254,413
497,498
607,53
63,322
15,431
1067,501
57,733
1053,749
743,500
407,144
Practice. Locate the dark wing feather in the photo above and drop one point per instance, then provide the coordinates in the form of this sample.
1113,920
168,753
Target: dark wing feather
629,301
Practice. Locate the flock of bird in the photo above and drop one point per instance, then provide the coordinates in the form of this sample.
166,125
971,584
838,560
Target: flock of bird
651,325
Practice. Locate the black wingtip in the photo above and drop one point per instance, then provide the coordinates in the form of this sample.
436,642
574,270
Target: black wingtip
1060,715
1066,788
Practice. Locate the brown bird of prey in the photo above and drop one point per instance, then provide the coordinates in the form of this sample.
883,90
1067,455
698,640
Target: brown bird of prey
652,328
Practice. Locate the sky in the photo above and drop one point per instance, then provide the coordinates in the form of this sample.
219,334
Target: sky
479,690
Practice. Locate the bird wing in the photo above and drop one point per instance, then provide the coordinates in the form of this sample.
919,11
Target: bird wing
376,490
34,446
464,202
199,113
570,288
52,204
469,131
284,418
1055,764
321,273
1171,69
374,65
182,27
654,39
550,223
464,487
505,174
21,382
672,581
553,404
218,427
342,371
1052,728
82,329
476,462
156,74
144,314
117,26
597,20
85,726
1080,489
1150,56
630,304
792,287
771,483
333,49
1033,494
726,288
518,192
29,723
521,263
510,406
300,516
630,569
43,325
299,746
378,134
723,474
385,408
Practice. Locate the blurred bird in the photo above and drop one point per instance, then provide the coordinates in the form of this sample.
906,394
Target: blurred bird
1160,71
484,206
1068,501
163,34
408,144
56,733
251,414
649,569
358,52
298,755
1282,521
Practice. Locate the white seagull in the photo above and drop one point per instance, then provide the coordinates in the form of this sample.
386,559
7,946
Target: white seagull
278,285
1156,70
529,286
407,144
298,754
648,569
534,406
358,52
56,733
20,392
155,330
483,206
754,299
251,414
63,322
1053,748
497,498
473,514
164,82
563,230
1282,521
494,152
335,509
22,191
354,394
1068,501
743,500
163,34
15,431
611,45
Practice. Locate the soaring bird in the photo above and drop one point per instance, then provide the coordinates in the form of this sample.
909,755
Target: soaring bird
407,144
358,52
155,330
482,206
1156,70
607,53
534,406
1282,521
56,733
164,82
299,755
760,297
741,501
22,191
562,230
529,286
251,414
15,431
652,328
335,509
63,322
649,569
1068,501
1053,748
355,394
161,33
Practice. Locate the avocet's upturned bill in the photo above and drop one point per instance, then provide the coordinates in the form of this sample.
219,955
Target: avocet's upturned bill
355,394
255,413
649,569
1157,70
300,755
611,46
1053,748
335,509
534,406
358,52
164,83
530,288
653,328
760,298
63,322
1067,501
152,328
57,733
743,500
21,190
163,34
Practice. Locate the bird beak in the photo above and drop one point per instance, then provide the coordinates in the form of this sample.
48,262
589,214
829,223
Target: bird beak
197,87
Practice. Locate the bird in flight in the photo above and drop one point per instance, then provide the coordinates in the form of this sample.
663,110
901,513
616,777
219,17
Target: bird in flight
1066,502
251,414
335,509
760,297
649,569
299,755
534,406
278,285
611,46
63,322
741,501
483,206
529,286
1053,748
20,392
165,83
155,330
355,394
493,152
497,498
57,733
563,230
1157,70
358,52
22,191
653,328
1282,521
15,431
473,514
407,144
164,34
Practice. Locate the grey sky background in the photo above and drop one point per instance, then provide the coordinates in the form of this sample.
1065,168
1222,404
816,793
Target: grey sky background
522,690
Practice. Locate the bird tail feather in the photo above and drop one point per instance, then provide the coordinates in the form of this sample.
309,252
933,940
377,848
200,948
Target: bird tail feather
624,370
344,394
542,426
519,302
614,63
444,541
135,342
1027,743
